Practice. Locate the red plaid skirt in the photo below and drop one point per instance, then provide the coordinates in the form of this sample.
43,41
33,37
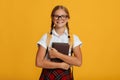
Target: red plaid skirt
56,74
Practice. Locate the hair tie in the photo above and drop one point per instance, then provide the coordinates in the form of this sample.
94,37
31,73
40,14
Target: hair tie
68,36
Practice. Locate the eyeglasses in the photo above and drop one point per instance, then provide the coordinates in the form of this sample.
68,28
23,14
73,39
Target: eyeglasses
62,17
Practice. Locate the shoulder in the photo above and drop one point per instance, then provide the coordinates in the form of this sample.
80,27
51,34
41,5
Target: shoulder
77,40
75,36
44,35
42,40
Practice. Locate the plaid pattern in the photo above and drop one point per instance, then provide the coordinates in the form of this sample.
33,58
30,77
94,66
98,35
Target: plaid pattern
56,74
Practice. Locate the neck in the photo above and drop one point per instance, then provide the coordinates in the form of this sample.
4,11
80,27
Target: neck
60,30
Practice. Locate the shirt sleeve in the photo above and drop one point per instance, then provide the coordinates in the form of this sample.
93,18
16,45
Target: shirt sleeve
77,41
42,41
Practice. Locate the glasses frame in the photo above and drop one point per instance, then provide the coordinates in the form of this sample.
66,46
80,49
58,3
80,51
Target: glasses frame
57,17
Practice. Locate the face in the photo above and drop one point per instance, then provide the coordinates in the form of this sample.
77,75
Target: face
60,18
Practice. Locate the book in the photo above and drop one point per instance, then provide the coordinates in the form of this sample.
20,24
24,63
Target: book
62,48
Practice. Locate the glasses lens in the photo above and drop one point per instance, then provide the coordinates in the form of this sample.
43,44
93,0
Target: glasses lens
63,16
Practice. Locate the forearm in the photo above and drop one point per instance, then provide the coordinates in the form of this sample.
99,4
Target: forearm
72,60
48,64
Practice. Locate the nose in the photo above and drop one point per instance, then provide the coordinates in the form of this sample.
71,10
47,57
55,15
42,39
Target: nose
59,17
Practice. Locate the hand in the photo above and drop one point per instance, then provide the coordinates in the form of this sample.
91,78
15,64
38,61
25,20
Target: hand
53,53
65,66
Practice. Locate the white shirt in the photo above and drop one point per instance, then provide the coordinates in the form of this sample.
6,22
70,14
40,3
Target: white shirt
59,38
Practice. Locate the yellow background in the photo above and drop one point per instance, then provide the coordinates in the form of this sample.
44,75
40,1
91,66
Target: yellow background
96,22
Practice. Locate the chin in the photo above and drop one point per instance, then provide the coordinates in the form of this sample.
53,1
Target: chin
60,26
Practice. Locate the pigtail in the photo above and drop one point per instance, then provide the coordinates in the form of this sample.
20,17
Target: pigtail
68,30
52,26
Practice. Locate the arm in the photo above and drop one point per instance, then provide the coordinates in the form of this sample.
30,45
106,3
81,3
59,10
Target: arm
41,61
72,60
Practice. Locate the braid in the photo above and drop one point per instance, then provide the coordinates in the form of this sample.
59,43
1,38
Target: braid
52,24
68,29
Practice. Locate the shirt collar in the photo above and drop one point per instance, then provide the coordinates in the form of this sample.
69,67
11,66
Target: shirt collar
55,33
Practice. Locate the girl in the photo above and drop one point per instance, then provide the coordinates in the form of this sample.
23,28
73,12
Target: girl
59,33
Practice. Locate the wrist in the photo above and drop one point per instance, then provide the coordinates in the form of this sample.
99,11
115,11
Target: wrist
58,54
59,65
